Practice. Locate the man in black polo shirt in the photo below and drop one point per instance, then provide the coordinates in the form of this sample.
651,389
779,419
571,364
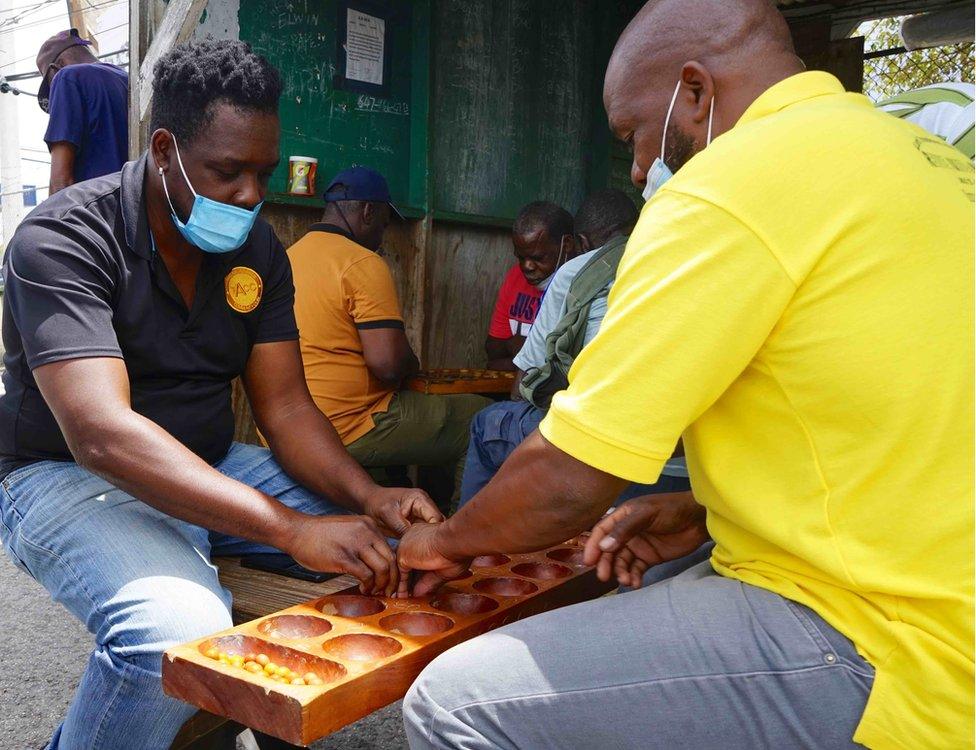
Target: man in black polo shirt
132,302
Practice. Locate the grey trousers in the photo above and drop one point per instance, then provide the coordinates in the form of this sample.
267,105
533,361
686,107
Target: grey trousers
695,661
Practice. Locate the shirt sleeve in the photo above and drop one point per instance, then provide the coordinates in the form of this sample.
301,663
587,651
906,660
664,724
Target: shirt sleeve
697,293
533,351
499,327
58,292
371,296
67,110
278,300
598,310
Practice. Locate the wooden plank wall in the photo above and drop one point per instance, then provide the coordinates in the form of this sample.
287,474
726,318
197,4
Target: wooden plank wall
465,267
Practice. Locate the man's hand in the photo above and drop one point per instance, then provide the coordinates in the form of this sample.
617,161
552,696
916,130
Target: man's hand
643,532
418,551
346,544
396,508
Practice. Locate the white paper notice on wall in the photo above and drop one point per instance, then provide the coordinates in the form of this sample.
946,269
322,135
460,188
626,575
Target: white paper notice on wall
365,39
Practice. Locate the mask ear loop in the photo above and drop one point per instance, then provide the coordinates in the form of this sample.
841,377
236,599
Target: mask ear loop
667,117
344,219
166,190
162,176
711,111
179,161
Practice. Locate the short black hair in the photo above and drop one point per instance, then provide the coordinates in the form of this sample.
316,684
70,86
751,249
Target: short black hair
604,213
557,221
193,76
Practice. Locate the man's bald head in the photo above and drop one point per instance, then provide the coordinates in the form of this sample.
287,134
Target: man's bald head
729,50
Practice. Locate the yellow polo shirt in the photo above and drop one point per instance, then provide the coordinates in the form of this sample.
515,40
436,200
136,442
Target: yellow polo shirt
342,288
798,303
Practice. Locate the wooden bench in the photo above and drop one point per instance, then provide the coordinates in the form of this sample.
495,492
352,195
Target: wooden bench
256,594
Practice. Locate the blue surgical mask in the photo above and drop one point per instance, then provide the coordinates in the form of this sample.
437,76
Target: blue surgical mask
212,226
659,173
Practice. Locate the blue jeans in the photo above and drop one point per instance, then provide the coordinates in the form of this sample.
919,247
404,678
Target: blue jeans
695,661
499,429
141,581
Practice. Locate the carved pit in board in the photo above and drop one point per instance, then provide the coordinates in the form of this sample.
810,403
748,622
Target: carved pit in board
542,571
416,623
295,626
567,555
362,647
490,561
350,605
460,603
506,586
297,661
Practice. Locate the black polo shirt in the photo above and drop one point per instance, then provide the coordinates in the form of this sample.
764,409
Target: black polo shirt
83,280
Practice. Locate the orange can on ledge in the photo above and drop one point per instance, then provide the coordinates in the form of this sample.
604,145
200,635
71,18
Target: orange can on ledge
301,175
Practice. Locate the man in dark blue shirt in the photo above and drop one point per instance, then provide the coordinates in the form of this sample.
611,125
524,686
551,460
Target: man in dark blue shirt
88,134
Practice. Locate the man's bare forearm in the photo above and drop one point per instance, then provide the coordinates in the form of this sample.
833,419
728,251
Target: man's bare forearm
541,496
62,167
142,459
310,451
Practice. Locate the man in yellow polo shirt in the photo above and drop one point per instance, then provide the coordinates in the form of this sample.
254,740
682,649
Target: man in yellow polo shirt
796,302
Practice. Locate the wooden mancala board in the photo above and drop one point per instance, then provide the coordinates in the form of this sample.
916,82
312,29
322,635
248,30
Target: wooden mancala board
366,651
461,381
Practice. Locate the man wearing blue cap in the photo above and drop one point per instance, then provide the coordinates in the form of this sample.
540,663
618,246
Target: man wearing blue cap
354,348
88,133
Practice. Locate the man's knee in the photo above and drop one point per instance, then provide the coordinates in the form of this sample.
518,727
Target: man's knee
478,422
154,614
421,710
451,703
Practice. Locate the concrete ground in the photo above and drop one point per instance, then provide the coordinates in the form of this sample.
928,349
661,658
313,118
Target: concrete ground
43,652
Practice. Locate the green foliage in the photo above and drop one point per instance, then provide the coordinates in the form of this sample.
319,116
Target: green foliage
892,74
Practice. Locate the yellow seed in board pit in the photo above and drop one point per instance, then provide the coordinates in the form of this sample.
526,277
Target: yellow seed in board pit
270,667
282,671
310,677
250,657
298,681
212,653
262,659
237,660
253,667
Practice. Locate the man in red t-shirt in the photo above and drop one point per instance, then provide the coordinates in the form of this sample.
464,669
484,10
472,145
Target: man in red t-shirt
543,238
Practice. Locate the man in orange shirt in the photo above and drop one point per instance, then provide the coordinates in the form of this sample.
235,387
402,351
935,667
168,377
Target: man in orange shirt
354,349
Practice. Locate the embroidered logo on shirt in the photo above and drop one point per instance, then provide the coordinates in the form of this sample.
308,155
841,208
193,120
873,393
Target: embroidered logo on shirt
243,288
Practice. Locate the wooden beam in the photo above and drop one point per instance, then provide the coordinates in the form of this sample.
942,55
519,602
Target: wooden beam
76,20
182,17
136,22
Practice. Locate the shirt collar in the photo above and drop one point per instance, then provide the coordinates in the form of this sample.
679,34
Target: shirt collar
324,226
134,215
790,91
